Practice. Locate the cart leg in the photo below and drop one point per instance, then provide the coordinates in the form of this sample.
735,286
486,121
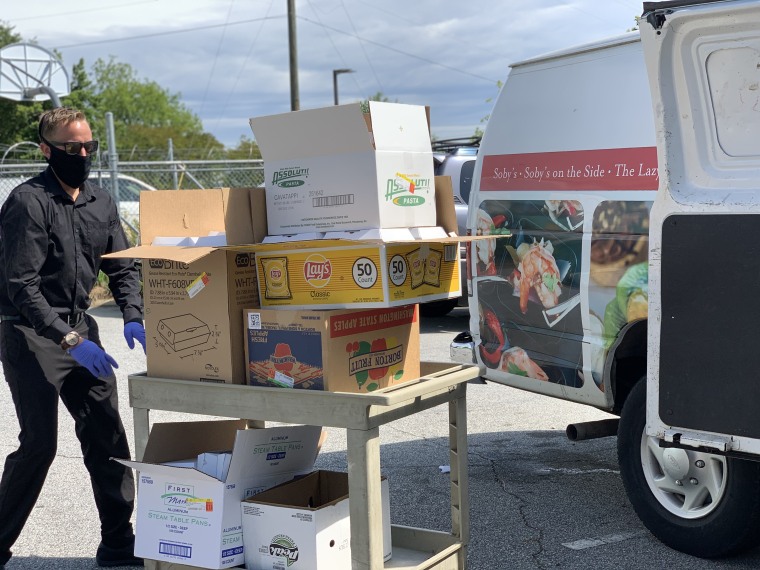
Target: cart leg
365,506
460,498
141,418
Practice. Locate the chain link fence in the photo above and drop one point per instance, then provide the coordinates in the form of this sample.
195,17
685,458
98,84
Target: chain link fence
136,177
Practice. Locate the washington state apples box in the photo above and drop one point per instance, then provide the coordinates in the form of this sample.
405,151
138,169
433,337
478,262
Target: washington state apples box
351,350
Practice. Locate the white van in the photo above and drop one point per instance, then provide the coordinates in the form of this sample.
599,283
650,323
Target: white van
584,296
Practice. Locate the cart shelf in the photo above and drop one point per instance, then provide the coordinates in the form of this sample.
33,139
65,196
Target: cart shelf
360,415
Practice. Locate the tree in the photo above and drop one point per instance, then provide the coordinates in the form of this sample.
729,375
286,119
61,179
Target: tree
17,120
145,114
246,149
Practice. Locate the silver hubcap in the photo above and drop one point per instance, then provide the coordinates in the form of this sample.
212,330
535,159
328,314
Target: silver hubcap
689,484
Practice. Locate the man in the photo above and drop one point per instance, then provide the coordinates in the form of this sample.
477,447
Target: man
54,229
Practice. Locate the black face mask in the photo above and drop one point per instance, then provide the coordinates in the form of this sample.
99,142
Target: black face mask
72,169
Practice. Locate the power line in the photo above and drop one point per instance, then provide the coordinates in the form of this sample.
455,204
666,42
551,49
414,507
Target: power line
462,71
216,56
353,27
169,32
251,20
242,67
75,12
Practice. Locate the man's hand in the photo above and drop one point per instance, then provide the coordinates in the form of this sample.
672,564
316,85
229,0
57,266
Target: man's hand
134,331
93,358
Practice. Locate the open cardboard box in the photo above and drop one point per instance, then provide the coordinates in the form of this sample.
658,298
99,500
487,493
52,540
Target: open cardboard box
194,296
375,170
305,524
186,516
380,270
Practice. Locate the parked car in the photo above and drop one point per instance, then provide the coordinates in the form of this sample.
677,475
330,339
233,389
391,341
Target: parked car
129,193
455,158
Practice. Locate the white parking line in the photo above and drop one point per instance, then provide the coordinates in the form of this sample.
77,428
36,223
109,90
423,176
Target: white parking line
575,471
610,538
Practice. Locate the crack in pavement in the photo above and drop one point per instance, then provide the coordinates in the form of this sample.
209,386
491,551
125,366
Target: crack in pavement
539,540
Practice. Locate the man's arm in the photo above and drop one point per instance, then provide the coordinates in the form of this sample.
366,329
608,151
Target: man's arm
25,242
124,278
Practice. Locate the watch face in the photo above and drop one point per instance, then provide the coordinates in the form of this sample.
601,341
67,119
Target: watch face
72,339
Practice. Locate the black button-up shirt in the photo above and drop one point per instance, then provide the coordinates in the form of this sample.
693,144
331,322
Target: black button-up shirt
50,254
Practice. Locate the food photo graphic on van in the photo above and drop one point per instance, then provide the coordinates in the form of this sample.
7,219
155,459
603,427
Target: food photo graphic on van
528,286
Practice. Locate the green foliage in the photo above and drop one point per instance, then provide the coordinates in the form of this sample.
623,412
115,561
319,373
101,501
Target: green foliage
246,149
478,131
17,120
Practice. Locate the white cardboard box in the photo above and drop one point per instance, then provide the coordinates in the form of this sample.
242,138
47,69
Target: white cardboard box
188,517
337,168
305,524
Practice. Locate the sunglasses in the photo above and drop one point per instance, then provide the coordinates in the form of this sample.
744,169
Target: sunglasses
75,147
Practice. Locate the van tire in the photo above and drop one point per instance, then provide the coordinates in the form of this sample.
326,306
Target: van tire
726,526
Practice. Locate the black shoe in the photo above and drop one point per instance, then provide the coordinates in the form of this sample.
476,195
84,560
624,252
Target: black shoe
108,557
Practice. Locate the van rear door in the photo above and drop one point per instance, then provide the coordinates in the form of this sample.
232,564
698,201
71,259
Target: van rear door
703,62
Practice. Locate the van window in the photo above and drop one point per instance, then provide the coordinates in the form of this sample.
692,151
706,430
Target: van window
465,180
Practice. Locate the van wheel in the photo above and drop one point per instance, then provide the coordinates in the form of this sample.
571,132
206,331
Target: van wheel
702,504
438,308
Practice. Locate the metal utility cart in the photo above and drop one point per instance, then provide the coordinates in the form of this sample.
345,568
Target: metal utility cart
361,415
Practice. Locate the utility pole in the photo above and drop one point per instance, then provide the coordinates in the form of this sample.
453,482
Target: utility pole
295,103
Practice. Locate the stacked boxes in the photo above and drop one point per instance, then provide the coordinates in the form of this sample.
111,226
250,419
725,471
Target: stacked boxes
195,294
360,232
187,515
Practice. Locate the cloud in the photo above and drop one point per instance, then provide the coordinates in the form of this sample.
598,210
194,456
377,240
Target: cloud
230,60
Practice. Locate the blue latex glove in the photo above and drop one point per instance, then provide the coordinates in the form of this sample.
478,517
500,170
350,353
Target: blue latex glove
132,332
93,358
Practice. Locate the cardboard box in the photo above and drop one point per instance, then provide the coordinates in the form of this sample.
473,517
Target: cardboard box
371,269
337,351
373,170
188,517
194,296
338,274
305,524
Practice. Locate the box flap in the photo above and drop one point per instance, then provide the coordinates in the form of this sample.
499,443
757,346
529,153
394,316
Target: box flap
179,440
187,473
266,452
258,214
181,254
301,134
197,213
316,490
445,210
399,127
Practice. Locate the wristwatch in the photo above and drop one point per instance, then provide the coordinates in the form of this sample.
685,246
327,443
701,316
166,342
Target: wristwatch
70,340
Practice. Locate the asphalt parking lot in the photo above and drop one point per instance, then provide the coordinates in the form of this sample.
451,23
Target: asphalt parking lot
537,499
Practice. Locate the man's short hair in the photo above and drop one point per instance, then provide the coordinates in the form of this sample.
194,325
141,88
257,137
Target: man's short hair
58,117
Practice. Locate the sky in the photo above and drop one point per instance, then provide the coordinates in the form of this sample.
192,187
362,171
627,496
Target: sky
228,60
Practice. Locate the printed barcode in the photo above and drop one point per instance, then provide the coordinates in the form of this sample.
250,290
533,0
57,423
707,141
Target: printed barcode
175,549
450,252
254,321
338,200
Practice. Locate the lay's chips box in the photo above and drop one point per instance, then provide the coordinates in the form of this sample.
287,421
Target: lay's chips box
354,350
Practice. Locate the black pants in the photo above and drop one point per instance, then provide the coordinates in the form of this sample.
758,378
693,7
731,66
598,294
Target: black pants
38,372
